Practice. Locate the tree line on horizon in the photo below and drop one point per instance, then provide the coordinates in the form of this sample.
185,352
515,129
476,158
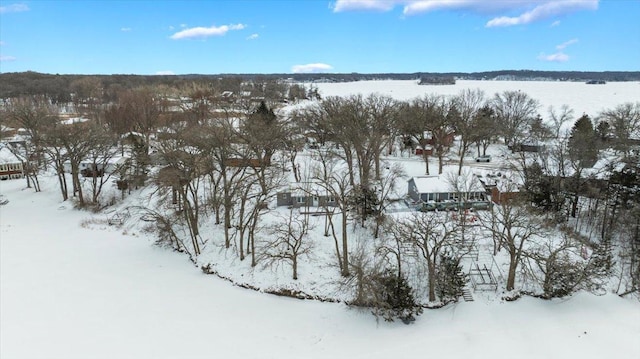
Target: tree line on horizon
59,87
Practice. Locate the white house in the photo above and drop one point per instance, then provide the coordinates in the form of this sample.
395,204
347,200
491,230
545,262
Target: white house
10,165
112,165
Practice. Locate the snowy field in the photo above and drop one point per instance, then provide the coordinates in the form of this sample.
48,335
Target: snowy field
74,287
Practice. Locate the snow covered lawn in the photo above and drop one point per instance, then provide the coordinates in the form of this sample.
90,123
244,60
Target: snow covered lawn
76,291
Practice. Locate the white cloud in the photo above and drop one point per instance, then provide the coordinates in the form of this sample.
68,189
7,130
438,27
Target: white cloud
416,7
165,72
171,27
202,32
557,57
348,5
13,8
125,29
531,10
1,43
253,36
563,45
4,58
544,11
555,23
311,68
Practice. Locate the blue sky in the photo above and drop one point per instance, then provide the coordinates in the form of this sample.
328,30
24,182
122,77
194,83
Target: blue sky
366,36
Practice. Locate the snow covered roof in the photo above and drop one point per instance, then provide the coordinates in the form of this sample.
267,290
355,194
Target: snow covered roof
447,184
74,120
6,156
304,189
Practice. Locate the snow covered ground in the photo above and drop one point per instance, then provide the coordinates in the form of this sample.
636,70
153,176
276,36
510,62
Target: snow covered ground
72,286
72,292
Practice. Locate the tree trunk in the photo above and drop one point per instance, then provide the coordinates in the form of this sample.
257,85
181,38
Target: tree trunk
345,252
425,157
335,240
294,265
432,279
513,265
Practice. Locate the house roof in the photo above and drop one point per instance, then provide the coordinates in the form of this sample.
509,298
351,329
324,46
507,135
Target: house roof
447,184
304,189
6,156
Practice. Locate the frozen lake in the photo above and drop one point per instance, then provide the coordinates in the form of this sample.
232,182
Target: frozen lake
582,98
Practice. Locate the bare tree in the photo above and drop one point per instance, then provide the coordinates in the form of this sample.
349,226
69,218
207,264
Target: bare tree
469,103
484,132
288,243
512,227
100,158
514,111
561,267
624,122
87,95
435,117
361,127
34,114
332,177
384,188
432,234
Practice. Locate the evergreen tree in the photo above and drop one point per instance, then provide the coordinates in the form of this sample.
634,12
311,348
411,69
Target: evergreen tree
582,143
450,278
365,201
395,299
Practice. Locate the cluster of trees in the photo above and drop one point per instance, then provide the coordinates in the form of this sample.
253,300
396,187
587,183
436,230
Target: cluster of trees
63,89
224,162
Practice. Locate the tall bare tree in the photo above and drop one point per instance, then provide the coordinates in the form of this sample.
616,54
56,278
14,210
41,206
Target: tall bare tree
34,114
469,103
624,122
333,178
512,226
288,243
514,111
432,234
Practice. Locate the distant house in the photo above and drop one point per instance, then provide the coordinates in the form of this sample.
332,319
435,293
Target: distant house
527,147
90,169
447,137
427,150
502,188
305,194
10,165
432,190
6,131
502,194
